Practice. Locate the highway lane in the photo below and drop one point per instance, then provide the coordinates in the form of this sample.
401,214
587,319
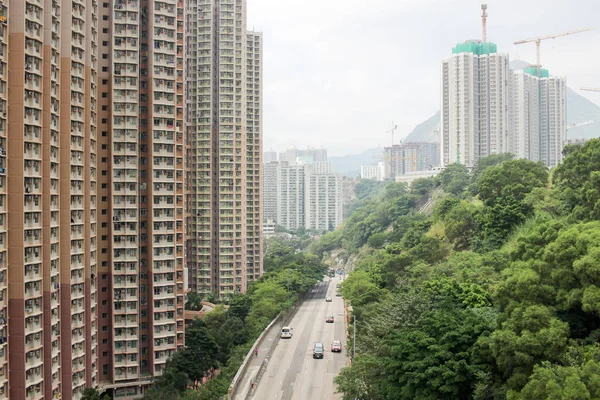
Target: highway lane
292,373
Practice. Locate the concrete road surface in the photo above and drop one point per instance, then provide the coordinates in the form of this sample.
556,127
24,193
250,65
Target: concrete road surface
292,373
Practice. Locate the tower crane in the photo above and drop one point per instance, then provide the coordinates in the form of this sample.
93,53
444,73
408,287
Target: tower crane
590,89
538,41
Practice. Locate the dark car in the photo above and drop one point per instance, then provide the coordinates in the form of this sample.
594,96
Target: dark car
318,350
329,319
336,346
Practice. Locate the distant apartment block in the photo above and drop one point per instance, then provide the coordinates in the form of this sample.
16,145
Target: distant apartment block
373,172
474,115
290,155
489,109
537,116
409,157
323,201
269,156
302,196
223,133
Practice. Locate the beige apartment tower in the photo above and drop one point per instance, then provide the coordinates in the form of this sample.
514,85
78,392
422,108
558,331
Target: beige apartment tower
223,136
141,155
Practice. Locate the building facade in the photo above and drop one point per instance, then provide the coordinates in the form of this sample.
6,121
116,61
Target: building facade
323,201
48,90
408,157
269,190
302,196
223,133
141,156
474,115
290,155
373,172
290,192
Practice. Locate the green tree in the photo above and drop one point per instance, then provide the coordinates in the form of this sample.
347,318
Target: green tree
92,394
193,302
377,240
461,225
578,179
454,179
359,289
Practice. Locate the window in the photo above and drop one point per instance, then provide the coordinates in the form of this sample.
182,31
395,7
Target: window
103,251
104,172
104,108
104,95
104,30
104,147
104,302
104,43
105,354
105,366
105,328
105,56
104,133
105,18
105,81
105,263
104,289
104,315
103,212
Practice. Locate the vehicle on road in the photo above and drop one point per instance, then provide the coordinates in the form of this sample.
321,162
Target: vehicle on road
338,294
318,350
287,332
329,319
336,346
328,299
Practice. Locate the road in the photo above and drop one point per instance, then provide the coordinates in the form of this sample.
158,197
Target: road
292,373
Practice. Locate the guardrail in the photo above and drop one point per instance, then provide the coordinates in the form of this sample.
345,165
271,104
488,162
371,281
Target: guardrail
283,318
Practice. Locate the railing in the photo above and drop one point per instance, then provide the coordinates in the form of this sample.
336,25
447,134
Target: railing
281,320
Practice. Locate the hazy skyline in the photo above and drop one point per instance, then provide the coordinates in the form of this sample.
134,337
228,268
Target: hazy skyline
337,73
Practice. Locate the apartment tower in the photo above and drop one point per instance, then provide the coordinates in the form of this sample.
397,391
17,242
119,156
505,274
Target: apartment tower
141,156
223,135
474,115
49,77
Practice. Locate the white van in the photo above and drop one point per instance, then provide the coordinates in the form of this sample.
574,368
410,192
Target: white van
287,332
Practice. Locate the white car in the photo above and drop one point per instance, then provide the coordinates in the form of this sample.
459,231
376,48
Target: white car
328,299
287,332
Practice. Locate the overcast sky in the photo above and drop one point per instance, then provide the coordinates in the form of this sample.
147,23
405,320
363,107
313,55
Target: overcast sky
337,72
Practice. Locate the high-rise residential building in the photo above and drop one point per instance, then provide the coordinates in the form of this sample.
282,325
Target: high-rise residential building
408,157
290,194
254,167
323,201
48,87
474,115
269,156
269,190
224,155
141,156
553,119
524,117
303,195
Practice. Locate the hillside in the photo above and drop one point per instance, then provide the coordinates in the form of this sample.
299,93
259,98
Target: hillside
494,295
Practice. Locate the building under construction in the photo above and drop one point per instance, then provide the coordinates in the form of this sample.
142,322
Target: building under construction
408,157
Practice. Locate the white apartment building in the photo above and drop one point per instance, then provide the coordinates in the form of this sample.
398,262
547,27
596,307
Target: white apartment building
300,197
474,115
290,192
323,202
322,167
373,172
269,189
553,119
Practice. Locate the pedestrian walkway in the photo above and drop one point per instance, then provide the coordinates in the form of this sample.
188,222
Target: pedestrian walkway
255,362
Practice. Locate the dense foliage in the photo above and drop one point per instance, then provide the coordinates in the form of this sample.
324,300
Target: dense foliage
495,294
217,344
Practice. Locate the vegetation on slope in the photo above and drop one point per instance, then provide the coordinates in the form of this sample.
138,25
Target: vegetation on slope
495,295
